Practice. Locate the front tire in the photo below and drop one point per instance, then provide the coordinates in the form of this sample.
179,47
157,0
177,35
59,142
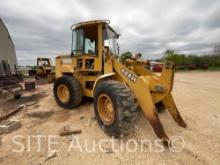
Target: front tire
67,92
115,108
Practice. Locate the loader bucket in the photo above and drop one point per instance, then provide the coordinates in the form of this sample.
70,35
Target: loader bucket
150,89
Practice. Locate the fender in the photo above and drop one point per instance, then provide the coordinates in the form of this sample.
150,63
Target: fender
102,77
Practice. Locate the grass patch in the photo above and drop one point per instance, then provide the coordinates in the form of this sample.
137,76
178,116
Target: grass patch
214,68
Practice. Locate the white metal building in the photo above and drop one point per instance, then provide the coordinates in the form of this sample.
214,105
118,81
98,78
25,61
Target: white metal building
8,61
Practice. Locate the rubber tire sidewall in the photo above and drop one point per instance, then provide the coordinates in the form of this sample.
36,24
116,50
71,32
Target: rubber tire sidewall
113,129
66,80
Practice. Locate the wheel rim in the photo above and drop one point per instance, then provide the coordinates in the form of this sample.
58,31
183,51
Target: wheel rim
105,109
63,93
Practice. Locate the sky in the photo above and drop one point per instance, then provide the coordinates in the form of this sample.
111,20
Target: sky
42,27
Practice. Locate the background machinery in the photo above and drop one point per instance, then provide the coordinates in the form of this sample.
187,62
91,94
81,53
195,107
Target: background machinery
119,90
44,69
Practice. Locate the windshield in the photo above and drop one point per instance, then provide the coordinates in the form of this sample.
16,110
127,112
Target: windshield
110,40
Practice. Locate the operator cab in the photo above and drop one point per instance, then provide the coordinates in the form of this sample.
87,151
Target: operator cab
44,63
88,42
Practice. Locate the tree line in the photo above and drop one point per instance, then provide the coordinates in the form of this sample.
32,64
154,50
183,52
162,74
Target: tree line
183,59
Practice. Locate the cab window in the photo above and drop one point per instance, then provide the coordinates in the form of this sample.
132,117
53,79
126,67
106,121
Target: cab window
77,41
84,41
89,46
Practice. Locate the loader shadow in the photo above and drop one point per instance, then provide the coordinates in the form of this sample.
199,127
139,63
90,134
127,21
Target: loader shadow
87,101
63,115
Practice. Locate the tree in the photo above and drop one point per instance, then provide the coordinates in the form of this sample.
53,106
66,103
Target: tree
171,55
216,50
169,52
125,55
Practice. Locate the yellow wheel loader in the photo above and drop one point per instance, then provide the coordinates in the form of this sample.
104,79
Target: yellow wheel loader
119,90
44,69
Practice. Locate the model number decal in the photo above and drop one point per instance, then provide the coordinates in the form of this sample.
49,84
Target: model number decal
129,75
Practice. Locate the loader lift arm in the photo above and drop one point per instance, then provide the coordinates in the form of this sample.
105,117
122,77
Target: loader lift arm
143,89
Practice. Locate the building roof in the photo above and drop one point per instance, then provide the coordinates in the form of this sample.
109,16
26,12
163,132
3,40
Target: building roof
9,37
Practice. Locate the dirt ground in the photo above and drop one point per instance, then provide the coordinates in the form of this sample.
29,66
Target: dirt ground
197,95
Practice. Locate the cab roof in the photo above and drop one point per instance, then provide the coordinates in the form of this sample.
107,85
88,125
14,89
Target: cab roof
92,22
81,24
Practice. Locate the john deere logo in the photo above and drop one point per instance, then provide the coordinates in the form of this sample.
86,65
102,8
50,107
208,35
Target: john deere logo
129,75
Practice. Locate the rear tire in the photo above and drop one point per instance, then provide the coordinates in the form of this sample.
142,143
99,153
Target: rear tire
72,87
124,107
